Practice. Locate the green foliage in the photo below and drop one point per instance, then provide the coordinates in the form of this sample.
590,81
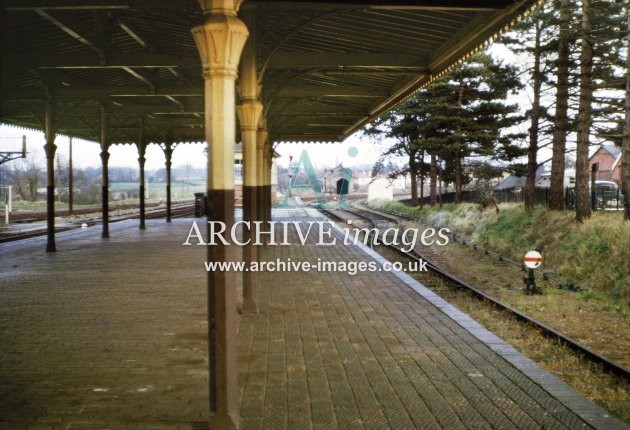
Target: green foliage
465,114
468,111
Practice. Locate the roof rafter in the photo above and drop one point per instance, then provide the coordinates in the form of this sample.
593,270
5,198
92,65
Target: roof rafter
297,90
465,5
135,35
18,5
113,60
141,78
94,91
74,34
290,60
325,67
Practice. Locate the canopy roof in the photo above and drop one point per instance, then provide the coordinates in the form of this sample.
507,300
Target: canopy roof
326,68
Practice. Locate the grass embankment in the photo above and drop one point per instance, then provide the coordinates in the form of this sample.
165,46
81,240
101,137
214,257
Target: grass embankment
594,255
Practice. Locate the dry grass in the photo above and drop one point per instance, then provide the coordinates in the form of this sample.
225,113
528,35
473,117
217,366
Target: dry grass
602,388
592,318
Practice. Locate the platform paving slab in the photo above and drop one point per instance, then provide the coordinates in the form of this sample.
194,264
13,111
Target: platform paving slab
104,333
112,333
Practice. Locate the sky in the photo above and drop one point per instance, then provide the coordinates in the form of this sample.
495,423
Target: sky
87,154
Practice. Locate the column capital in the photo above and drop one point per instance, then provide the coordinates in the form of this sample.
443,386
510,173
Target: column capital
222,7
168,147
142,148
105,156
249,112
220,41
261,138
141,144
50,148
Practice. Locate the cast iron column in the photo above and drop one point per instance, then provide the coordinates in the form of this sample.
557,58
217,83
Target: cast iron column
105,160
220,41
249,113
268,154
142,149
261,142
168,154
70,178
50,149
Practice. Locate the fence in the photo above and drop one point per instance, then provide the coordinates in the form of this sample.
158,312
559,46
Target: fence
601,199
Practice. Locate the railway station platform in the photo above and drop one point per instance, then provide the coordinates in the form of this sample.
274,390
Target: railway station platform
112,334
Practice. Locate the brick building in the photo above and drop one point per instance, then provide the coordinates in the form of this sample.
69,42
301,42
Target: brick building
608,160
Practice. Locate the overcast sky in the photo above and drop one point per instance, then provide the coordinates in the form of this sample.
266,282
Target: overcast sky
85,153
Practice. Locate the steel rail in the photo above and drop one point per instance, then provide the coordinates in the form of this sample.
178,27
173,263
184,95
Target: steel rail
178,211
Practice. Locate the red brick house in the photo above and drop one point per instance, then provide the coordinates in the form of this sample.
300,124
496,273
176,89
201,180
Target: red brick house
608,159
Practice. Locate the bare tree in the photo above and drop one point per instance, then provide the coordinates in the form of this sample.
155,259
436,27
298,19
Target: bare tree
25,177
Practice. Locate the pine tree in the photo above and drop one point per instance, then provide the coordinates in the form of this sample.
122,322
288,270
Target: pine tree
561,122
625,158
607,37
583,203
536,38
401,125
600,35
461,116
472,122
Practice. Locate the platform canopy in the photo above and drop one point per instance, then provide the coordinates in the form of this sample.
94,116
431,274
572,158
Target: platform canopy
326,68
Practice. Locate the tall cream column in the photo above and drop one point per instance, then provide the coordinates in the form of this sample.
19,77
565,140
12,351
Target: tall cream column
268,160
220,41
261,143
249,112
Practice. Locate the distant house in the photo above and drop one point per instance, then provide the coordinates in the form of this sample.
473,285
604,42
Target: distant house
517,183
362,178
608,161
512,183
543,177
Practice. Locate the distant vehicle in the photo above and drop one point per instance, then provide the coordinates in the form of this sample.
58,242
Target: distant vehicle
607,195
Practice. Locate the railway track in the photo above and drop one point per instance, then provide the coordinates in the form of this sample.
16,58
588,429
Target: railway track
177,211
438,276
31,216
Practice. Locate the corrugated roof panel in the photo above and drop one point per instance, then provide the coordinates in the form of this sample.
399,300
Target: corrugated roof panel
326,67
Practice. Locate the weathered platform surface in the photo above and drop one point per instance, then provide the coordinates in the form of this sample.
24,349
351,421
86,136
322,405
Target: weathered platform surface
111,333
